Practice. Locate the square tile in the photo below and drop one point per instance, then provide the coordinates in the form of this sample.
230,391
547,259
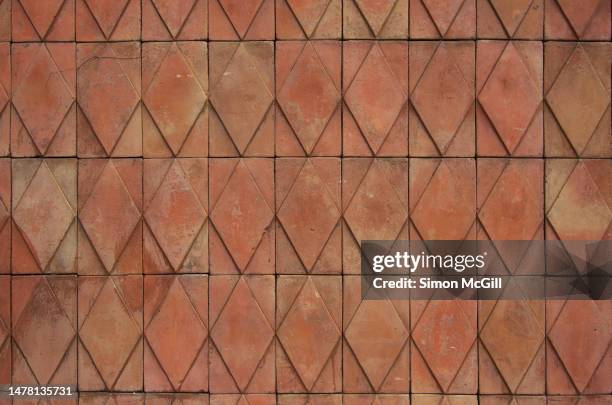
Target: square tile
442,78
511,207
175,98
308,90
42,20
5,216
309,330
43,100
110,216
578,199
370,399
110,399
374,205
577,90
241,198
239,399
242,334
5,330
108,20
375,90
511,343
5,95
428,399
5,20
44,323
578,346
109,71
442,199
110,333
242,96
308,208
176,332
371,19
168,20
449,20
177,399
509,83
44,208
176,216
436,365
310,399
512,399
517,20
241,19
574,21
308,19
376,350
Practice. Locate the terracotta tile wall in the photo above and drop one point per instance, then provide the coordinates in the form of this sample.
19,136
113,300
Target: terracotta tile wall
184,185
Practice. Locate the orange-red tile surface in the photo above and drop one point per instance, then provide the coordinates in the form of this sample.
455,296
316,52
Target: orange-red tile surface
185,186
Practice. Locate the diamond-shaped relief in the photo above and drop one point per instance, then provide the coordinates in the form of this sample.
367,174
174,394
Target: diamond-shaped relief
520,19
170,19
44,210
176,331
177,399
110,204
444,354
242,334
374,203
368,19
176,199
442,81
578,99
510,94
5,91
91,398
243,399
579,335
578,203
450,19
175,85
43,20
375,94
512,343
300,19
241,19
308,93
517,218
242,215
44,92
109,72
44,330
587,20
308,210
242,93
100,20
5,215
376,342
311,399
110,333
309,333
5,330
443,198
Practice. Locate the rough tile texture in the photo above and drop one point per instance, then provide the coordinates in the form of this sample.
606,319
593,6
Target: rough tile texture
185,185
44,309
109,71
176,332
442,76
110,216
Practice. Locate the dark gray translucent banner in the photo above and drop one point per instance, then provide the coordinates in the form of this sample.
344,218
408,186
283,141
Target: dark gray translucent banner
486,270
